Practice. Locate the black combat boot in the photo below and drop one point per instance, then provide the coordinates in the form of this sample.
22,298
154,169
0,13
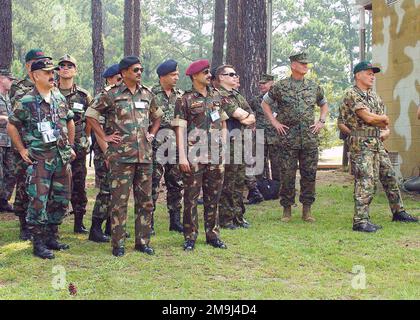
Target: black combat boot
365,227
25,234
52,239
255,196
403,216
38,241
78,224
5,206
145,249
175,222
96,234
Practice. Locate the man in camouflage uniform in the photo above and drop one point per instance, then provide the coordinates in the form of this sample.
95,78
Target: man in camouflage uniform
297,139
17,91
49,132
103,199
7,159
166,95
129,108
363,119
201,114
232,208
78,100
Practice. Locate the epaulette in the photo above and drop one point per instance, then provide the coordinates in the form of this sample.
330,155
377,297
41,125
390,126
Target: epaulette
84,91
108,88
179,92
146,88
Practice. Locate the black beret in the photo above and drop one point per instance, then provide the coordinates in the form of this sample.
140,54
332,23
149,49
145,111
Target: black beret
127,62
111,71
167,67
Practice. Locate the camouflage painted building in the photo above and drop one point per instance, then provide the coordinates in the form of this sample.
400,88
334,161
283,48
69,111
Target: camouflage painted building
396,49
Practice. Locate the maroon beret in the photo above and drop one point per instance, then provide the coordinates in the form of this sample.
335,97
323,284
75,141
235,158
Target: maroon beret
197,67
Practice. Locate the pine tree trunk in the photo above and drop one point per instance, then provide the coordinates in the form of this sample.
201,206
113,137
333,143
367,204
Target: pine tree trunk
219,32
128,27
97,45
6,43
136,27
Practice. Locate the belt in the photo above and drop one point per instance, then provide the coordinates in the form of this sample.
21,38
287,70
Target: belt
375,133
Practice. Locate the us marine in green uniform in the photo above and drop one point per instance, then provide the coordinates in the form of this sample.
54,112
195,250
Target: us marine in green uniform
362,118
129,108
78,100
297,140
166,95
49,133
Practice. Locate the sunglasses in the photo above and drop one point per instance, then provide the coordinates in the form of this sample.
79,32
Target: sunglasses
65,65
232,75
206,72
136,70
119,79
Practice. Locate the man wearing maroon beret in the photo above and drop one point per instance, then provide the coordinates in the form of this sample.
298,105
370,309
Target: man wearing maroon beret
200,116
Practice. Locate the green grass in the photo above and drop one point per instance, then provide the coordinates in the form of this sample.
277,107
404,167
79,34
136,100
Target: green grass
272,260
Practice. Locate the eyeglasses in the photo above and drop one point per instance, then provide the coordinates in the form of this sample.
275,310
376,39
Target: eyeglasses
65,65
206,72
232,75
136,70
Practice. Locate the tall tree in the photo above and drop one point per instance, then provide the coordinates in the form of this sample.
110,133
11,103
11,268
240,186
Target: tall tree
6,48
136,27
219,32
128,27
97,45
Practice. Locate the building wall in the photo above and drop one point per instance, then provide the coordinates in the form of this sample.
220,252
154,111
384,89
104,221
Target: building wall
396,49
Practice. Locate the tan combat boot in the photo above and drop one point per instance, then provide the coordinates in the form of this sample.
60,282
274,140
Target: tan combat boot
287,214
306,216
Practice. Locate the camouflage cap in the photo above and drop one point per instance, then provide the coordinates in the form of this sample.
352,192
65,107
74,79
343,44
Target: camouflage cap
36,54
68,58
6,73
365,65
266,78
301,57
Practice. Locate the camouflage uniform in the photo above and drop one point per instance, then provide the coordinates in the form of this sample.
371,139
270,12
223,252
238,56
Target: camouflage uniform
7,158
296,109
18,90
369,159
232,208
131,161
193,112
270,137
170,172
48,178
78,100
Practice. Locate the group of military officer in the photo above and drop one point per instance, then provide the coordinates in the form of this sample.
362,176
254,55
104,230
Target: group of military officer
141,135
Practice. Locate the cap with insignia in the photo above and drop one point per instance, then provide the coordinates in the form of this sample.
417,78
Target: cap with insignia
67,58
365,65
266,78
6,73
301,57
45,65
111,71
167,67
36,54
127,62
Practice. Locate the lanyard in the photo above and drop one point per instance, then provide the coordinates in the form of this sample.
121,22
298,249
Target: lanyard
53,111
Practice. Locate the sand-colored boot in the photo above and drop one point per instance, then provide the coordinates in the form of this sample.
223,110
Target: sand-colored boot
306,214
287,214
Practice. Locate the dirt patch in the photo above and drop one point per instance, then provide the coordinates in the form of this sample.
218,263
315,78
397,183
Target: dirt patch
7,217
334,177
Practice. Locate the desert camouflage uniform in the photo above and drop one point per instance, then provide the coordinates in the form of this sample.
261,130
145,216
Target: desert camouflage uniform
131,161
170,172
232,208
193,112
296,102
369,159
78,100
20,206
7,158
49,177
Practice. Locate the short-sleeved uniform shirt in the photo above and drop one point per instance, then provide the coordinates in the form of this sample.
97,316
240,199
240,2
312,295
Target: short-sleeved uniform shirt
129,115
203,118
296,101
355,99
31,110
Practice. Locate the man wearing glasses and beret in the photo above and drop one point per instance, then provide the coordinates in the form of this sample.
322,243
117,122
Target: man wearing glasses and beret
129,109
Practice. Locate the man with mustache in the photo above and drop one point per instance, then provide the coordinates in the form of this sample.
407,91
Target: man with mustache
200,117
78,100
363,119
48,128
129,109
17,91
